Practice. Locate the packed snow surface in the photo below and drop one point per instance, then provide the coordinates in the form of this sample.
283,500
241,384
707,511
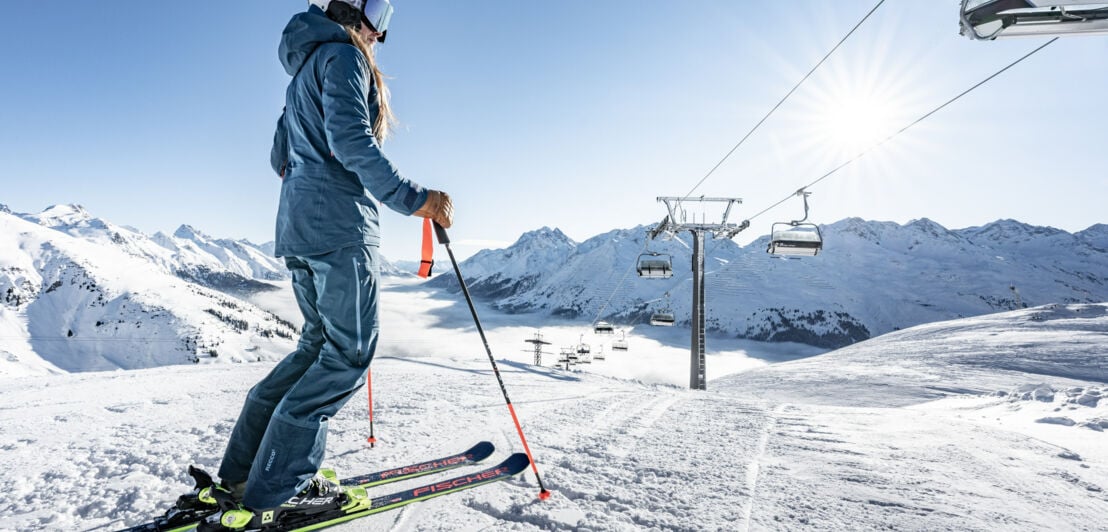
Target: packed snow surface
946,426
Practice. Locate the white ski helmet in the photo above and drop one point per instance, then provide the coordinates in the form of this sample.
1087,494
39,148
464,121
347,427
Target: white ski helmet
375,12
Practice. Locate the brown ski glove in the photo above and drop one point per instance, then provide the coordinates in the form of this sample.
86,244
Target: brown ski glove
438,208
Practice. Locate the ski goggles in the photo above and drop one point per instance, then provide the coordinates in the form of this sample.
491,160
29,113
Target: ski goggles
378,13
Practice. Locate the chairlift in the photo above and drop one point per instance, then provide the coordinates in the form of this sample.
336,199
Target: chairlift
566,357
796,238
603,327
621,344
993,19
582,347
599,354
652,265
664,317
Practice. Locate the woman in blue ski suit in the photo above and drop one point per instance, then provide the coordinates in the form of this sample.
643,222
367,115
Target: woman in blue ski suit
327,151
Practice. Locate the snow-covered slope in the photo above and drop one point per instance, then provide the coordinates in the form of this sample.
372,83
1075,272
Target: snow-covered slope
68,246
871,278
104,450
1065,344
71,304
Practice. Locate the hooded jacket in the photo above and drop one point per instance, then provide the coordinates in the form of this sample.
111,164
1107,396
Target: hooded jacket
332,165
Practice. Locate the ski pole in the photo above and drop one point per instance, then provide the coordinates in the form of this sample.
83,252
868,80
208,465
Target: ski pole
440,232
369,386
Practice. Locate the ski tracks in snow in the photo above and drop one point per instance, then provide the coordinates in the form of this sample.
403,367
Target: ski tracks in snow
754,467
631,427
651,457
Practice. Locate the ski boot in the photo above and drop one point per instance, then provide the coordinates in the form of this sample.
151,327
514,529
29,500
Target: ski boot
323,494
194,505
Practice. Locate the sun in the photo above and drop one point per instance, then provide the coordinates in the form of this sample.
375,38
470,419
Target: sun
855,121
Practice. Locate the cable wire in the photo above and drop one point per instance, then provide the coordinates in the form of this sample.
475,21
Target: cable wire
743,140
782,101
645,242
902,130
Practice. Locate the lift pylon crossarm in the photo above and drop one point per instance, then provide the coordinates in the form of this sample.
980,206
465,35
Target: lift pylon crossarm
993,19
670,223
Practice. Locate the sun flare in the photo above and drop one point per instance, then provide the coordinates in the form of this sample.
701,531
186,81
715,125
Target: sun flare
855,122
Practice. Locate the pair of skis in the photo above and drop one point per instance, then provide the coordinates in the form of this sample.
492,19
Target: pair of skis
359,503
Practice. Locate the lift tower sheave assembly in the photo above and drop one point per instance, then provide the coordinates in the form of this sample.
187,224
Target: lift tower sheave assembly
676,221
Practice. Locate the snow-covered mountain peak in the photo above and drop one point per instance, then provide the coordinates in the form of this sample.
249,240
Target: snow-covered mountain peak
1095,229
63,216
1096,235
189,232
4,209
544,238
930,228
1010,231
866,230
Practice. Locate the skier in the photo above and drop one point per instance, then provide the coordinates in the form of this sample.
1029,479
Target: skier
327,152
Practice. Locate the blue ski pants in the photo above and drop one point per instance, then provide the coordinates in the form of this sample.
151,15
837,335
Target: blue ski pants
278,441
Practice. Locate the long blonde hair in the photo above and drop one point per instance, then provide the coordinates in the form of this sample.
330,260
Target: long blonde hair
385,120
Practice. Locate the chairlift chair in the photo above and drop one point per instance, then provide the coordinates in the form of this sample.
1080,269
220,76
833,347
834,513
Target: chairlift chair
655,266
603,327
796,238
993,19
662,319
567,356
621,344
599,354
801,239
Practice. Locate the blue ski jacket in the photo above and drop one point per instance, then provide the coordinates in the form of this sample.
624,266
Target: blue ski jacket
332,165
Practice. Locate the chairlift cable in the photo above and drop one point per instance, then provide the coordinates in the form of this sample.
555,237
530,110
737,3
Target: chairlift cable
902,130
645,242
782,101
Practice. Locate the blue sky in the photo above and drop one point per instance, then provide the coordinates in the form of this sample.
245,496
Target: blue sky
569,114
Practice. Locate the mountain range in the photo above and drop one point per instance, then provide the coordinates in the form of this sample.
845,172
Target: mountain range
79,293
871,278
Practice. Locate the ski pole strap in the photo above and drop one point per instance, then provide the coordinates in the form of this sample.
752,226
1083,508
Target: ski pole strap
426,262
